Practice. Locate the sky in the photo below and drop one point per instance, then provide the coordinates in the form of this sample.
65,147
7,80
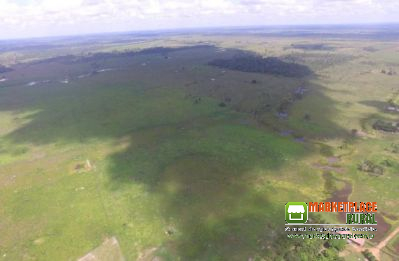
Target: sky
36,18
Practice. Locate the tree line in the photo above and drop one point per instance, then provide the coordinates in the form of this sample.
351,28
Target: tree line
258,64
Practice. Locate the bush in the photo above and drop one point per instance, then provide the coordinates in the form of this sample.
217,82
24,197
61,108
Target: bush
386,126
369,166
338,244
394,148
367,254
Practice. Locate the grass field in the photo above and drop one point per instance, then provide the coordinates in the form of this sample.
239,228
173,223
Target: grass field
146,152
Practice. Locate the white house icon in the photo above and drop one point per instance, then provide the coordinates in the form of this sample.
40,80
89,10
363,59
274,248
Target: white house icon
296,209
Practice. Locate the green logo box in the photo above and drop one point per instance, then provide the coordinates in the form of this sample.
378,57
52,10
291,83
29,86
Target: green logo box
296,212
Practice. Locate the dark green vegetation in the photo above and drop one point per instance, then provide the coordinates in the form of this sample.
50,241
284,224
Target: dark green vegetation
386,126
369,256
313,47
169,165
143,140
257,64
369,166
101,56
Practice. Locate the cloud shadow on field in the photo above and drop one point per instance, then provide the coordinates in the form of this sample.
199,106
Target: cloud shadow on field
198,159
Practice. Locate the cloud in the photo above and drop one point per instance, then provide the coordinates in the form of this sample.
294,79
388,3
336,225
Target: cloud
38,17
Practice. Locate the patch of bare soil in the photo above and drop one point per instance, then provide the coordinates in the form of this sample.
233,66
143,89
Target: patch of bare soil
109,250
360,134
84,167
332,160
149,255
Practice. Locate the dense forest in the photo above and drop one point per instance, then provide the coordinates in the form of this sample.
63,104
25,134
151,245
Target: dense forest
93,57
257,64
313,47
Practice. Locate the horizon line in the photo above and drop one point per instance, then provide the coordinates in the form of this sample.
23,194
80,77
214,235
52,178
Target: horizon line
194,28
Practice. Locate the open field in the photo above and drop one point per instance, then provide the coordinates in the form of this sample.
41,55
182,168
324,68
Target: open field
182,160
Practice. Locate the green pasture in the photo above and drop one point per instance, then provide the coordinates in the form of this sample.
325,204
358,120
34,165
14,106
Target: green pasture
184,159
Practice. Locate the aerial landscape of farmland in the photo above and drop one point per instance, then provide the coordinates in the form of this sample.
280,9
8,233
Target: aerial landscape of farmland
187,144
196,162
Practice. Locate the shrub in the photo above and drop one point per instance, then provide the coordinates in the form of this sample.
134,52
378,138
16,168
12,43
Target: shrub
367,254
338,244
369,166
386,126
